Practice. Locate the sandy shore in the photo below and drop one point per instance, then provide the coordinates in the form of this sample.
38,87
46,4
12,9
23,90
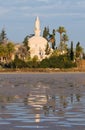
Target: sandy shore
49,70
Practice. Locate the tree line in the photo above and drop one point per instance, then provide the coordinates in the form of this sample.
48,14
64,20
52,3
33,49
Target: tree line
62,56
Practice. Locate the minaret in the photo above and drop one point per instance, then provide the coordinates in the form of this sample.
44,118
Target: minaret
37,27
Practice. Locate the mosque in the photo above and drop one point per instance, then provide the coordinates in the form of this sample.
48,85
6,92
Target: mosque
37,43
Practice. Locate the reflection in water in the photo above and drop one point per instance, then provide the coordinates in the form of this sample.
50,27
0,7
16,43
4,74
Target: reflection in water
71,95
55,102
49,103
37,118
78,97
6,99
59,103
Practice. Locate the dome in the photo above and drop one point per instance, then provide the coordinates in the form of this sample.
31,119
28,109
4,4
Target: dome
37,46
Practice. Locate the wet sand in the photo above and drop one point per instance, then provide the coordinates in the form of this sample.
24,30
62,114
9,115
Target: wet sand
42,101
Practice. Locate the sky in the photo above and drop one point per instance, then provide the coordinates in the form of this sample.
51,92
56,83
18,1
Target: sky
18,17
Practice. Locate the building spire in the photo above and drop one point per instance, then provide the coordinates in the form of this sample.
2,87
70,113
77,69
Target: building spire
37,27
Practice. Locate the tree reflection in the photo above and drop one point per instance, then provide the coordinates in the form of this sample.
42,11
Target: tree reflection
78,97
46,110
63,101
60,103
26,99
71,95
50,105
4,100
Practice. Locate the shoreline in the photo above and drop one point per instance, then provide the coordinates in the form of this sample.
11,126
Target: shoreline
41,70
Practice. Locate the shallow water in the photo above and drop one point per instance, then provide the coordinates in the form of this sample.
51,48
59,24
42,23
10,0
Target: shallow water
42,101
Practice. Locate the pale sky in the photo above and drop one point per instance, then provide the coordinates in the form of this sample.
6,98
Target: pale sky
18,16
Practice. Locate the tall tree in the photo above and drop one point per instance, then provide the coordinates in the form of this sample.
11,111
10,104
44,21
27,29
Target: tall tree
3,38
2,50
46,33
71,52
61,30
22,52
47,50
79,50
10,50
64,42
6,52
52,39
65,38
25,42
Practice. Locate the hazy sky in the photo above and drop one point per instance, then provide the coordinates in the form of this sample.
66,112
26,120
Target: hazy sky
18,16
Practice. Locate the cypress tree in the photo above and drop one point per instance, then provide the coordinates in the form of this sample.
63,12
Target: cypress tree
72,52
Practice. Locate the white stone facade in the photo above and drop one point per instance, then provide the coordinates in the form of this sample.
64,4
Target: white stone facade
37,43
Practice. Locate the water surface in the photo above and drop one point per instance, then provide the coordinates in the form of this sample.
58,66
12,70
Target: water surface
42,101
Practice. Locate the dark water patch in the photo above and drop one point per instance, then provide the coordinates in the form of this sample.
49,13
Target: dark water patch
76,119
64,123
4,123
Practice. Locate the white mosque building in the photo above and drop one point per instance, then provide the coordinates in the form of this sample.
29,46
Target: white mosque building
37,43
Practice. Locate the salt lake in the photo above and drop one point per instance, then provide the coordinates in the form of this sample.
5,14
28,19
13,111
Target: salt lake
43,101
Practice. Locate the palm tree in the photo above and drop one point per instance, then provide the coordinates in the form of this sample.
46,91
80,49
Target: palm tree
65,38
61,30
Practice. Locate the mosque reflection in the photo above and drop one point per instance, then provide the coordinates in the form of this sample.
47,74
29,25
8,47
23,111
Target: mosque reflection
42,99
51,104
